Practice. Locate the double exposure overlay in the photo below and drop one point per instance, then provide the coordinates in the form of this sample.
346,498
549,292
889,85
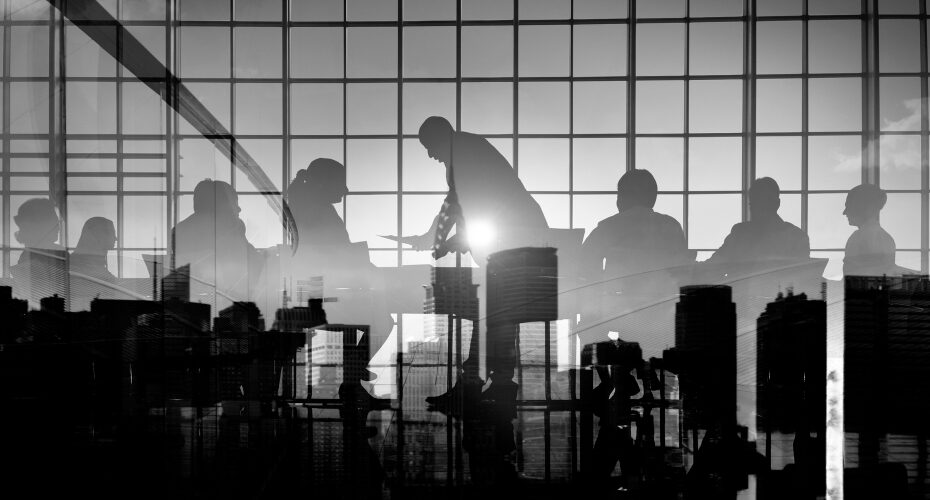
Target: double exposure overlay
672,249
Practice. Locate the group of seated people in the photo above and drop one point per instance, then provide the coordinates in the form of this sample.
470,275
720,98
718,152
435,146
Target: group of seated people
628,248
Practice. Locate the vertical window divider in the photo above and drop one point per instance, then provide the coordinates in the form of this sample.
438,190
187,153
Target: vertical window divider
805,106
7,37
924,149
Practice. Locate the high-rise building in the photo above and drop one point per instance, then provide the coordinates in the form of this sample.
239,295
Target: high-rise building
522,286
704,356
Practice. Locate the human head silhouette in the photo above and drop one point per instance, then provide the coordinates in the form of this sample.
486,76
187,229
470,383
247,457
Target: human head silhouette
38,223
863,204
636,188
98,236
324,181
215,197
764,198
436,136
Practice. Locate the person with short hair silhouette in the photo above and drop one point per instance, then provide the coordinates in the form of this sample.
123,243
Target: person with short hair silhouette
870,250
41,270
485,195
765,237
212,241
636,251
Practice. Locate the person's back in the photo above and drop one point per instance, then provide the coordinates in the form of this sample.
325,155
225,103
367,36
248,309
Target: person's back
637,241
42,268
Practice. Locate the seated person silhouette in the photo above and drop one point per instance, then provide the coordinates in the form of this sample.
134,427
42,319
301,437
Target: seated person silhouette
90,276
312,196
223,264
629,262
485,195
42,268
765,237
870,250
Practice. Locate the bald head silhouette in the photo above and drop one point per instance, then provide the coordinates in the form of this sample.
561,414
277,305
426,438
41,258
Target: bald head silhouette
636,188
436,136
764,198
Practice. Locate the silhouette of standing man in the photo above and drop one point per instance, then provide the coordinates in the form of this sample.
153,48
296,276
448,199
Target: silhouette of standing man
486,200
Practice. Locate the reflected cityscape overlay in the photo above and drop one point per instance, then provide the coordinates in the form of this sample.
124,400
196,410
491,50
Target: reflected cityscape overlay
375,249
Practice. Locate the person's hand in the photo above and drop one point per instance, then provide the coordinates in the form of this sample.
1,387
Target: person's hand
422,243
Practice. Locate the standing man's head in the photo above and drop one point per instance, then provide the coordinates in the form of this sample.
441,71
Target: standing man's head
38,223
436,136
863,204
764,198
636,188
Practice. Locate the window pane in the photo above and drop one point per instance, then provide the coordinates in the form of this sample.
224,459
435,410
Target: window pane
661,8
268,153
316,108
778,107
317,10
29,107
591,209
545,9
544,50
710,217
84,56
778,47
900,104
372,108
779,7
900,161
898,7
91,108
835,104
371,10
659,107
201,160
544,164
716,8
664,158
835,47
371,164
258,108
597,164
826,225
29,50
715,164
262,225
369,216
145,222
215,97
204,10
371,52
543,108
486,9
429,51
205,52
422,100
834,162
600,50
81,208
599,107
422,173
898,45
660,49
600,9
780,159
898,220
487,108
555,208
833,7
487,51
257,10
716,106
429,10
716,48
320,52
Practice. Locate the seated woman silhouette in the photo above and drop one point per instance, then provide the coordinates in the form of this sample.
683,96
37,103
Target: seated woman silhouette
90,276
870,250
312,196
41,270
